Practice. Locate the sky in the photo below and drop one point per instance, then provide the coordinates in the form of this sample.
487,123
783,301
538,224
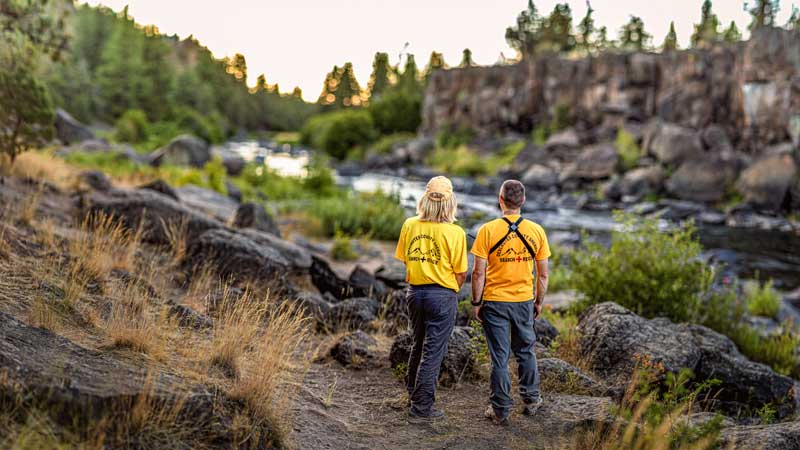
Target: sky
296,42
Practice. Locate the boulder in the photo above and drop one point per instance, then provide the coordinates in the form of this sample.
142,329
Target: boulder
254,215
184,150
328,281
238,256
673,144
365,284
567,138
767,182
459,362
561,376
233,162
716,140
545,332
208,201
612,338
78,388
539,177
642,181
702,180
154,211
314,306
69,130
352,314
188,317
778,436
96,180
355,349
162,187
594,163
234,192
393,274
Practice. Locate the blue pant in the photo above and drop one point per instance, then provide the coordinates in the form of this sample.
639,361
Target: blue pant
432,313
508,327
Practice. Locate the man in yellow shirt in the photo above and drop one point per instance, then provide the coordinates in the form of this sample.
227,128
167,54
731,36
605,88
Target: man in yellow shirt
506,252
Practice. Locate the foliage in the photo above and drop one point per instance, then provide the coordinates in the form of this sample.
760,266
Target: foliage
207,127
132,127
479,347
26,113
435,62
628,150
562,118
586,31
762,299
385,144
646,269
466,59
763,13
342,249
464,161
36,22
408,81
215,175
632,36
556,31
454,137
524,35
707,31
396,111
560,274
379,79
671,40
732,33
794,20
339,131
377,215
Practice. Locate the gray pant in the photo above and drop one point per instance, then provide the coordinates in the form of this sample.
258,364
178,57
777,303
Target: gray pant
432,313
509,328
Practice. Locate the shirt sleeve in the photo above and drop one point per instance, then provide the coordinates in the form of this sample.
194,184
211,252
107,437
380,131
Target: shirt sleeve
544,247
480,247
400,251
460,254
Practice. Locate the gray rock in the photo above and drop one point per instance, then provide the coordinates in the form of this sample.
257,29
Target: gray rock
393,274
642,181
153,210
314,306
355,349
778,436
545,332
702,180
459,363
254,215
766,183
327,281
188,317
69,130
556,373
539,177
612,337
162,187
210,202
673,144
716,141
365,284
184,150
563,139
352,314
96,180
594,163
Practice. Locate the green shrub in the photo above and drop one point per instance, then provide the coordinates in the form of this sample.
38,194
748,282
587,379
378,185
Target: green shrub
132,127
459,161
450,138
215,175
540,134
559,278
396,111
562,119
158,135
627,149
384,145
342,249
376,215
762,300
339,131
205,127
647,270
319,181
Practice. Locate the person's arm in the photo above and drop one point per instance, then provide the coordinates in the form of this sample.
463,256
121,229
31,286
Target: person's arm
478,283
461,278
541,285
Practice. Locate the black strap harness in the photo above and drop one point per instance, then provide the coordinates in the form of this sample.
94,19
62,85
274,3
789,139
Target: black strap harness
513,227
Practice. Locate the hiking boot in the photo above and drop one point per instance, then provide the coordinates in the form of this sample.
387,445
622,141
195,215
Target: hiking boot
529,409
490,414
435,414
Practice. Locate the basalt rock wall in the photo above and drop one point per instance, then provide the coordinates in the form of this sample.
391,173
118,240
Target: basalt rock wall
751,89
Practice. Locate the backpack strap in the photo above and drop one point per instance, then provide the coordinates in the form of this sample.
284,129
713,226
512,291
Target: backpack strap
514,228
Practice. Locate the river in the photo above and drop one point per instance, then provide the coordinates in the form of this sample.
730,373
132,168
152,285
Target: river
745,252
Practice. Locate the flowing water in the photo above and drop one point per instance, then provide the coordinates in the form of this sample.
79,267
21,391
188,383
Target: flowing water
746,252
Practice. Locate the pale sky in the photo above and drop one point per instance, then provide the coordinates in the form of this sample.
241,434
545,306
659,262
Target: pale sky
296,42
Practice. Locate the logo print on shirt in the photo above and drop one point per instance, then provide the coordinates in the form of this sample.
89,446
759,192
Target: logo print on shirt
515,255
424,249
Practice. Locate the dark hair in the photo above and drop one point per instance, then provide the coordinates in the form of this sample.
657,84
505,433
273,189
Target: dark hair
513,194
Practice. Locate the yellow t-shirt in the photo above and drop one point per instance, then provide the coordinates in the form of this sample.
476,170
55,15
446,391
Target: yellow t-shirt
509,275
433,252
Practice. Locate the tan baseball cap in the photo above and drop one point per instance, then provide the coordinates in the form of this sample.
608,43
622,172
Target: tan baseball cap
439,189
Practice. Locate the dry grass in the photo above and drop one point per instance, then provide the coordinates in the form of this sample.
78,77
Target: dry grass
46,234
203,282
100,241
5,247
40,165
567,346
28,207
176,231
235,330
42,315
135,322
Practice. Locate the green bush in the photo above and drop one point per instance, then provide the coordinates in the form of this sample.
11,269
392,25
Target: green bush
205,127
342,249
450,138
627,149
158,135
384,145
132,127
562,119
339,131
215,175
396,111
376,215
650,271
320,181
762,300
459,161
559,278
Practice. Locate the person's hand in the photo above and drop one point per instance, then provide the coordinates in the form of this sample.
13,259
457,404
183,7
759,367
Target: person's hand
476,311
537,310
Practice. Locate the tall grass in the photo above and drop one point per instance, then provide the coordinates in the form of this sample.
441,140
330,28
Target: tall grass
762,299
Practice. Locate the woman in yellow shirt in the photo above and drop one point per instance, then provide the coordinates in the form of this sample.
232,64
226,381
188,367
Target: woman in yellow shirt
434,251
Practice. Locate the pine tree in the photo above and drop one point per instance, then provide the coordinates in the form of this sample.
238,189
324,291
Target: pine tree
158,75
671,40
297,92
237,66
261,84
633,36
466,59
408,81
328,95
524,36
379,79
556,32
794,19
348,91
435,62
601,42
586,30
119,76
732,34
763,13
707,31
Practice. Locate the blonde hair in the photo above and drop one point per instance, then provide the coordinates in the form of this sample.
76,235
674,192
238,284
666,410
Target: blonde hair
437,209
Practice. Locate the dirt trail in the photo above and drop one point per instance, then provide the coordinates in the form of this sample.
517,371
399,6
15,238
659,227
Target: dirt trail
367,411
